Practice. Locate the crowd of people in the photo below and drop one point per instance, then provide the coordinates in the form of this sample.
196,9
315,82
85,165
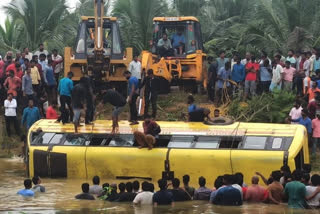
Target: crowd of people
299,72
298,189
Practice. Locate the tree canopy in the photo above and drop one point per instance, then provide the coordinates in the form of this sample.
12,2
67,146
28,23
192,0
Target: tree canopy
242,25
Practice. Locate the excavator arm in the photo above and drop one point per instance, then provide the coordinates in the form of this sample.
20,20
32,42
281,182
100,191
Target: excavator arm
98,63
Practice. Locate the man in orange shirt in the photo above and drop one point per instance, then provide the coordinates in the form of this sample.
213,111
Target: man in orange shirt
12,84
312,91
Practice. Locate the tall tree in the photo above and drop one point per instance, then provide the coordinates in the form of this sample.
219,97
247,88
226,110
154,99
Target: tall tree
40,19
135,17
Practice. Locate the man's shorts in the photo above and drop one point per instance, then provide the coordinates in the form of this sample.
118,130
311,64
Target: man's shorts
76,115
117,110
250,86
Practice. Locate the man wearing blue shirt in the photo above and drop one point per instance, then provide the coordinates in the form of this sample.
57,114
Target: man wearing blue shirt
30,115
65,88
178,42
238,74
305,121
133,85
27,190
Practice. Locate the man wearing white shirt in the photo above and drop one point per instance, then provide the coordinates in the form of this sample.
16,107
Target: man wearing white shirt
28,55
10,114
135,68
41,51
57,63
276,74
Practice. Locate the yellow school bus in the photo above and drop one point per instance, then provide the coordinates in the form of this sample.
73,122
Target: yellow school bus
193,148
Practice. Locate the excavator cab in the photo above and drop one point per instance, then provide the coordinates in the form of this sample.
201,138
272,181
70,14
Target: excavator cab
188,33
112,46
183,64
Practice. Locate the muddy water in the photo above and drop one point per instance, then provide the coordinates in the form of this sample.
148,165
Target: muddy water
59,198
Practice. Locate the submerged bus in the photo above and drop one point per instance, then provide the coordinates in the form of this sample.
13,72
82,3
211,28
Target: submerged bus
193,148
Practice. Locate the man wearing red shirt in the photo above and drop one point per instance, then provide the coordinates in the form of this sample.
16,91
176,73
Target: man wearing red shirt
12,84
51,112
151,130
252,69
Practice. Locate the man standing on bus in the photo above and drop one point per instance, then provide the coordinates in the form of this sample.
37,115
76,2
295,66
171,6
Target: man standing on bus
133,86
117,101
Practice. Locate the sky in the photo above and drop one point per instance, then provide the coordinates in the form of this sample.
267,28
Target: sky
70,3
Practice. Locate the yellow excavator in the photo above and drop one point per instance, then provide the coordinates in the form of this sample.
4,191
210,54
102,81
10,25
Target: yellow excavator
185,64
98,51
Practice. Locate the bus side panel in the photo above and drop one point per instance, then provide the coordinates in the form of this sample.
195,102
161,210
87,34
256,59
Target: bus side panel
32,161
248,162
76,167
113,162
208,163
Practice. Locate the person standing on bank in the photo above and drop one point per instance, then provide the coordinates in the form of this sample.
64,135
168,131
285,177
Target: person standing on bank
135,68
152,86
118,101
10,114
133,84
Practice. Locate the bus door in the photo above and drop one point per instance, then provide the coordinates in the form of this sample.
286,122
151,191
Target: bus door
67,159
117,157
262,154
208,156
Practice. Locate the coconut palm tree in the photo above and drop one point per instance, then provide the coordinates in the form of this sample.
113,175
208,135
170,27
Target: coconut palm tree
10,36
39,18
135,18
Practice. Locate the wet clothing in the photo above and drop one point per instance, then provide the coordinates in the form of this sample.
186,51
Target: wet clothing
228,196
84,196
296,193
127,197
180,195
26,192
163,197
143,198
38,188
95,189
203,193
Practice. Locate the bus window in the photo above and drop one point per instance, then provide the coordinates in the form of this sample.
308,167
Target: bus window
255,142
207,142
299,160
45,138
181,142
122,140
75,140
100,140
56,139
230,142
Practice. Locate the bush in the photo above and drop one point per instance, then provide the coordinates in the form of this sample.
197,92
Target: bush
266,108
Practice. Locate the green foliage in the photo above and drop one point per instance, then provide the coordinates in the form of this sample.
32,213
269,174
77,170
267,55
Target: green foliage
135,17
267,108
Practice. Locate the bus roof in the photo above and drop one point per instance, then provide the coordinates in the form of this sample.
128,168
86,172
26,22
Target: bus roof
175,19
85,18
175,128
